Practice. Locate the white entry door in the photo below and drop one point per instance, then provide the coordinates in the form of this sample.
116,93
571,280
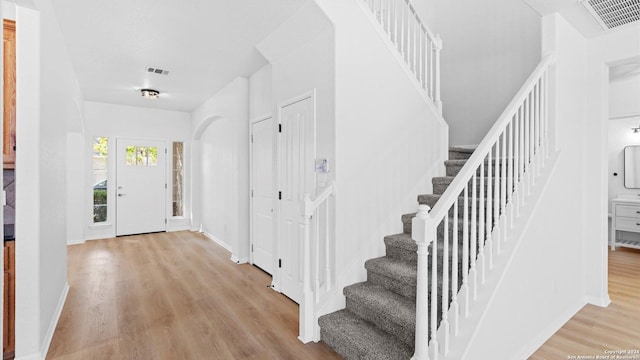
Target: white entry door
140,186
296,177
262,194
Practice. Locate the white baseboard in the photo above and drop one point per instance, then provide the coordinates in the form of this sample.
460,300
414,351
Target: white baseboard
238,260
599,301
54,321
558,322
218,241
36,356
99,237
75,241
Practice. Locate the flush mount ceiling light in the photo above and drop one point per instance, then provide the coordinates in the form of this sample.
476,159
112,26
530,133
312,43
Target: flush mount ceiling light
150,93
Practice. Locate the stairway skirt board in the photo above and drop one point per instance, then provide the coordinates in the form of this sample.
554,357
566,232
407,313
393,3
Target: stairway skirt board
379,320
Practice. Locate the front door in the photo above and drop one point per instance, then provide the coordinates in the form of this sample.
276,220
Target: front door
296,177
262,194
140,186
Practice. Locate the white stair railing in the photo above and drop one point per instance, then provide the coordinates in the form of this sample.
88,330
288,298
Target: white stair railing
500,171
318,256
415,43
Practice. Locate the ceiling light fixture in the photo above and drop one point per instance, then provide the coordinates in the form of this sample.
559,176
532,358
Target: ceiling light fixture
150,93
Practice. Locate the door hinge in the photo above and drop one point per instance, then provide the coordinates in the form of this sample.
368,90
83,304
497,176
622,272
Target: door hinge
165,150
252,138
280,263
251,247
165,186
279,195
279,128
165,220
251,192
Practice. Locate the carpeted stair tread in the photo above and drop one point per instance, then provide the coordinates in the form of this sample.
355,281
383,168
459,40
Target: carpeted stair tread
456,152
391,312
357,339
393,274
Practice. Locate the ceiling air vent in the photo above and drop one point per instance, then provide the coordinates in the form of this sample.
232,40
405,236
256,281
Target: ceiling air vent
157,71
613,13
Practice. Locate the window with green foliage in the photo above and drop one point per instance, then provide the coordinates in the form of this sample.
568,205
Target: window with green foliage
178,172
100,151
142,155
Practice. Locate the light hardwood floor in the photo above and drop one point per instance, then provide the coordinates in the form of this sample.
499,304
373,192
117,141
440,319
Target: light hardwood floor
173,296
594,330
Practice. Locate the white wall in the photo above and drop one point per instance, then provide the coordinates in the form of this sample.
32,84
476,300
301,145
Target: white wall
226,114
389,141
112,121
624,97
47,92
489,49
260,93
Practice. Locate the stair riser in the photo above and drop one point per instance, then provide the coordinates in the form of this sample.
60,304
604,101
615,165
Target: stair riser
339,346
458,155
403,288
404,333
410,256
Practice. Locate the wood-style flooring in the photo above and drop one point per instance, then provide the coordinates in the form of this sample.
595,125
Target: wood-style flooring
173,296
178,296
595,330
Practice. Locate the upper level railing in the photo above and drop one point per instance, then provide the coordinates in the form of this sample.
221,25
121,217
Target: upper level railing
415,43
318,279
479,207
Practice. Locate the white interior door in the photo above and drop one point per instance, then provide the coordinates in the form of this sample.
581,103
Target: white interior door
296,177
262,194
140,186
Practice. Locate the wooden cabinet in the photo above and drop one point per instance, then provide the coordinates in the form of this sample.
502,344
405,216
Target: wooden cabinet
9,88
8,340
625,217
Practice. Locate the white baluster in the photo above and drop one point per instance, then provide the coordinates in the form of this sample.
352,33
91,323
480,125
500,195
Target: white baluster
495,233
475,224
327,229
510,172
445,286
433,342
422,231
465,248
503,190
489,219
437,100
481,223
307,303
454,271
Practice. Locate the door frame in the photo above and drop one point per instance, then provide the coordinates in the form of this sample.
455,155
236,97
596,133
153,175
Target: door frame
166,178
277,273
254,121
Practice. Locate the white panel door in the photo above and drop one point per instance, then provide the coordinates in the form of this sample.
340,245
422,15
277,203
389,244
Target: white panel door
296,177
262,194
140,186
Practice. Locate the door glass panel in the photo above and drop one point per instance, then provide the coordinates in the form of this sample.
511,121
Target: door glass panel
178,171
142,155
100,151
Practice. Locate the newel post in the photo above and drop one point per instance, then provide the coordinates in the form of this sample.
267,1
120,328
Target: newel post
307,303
422,231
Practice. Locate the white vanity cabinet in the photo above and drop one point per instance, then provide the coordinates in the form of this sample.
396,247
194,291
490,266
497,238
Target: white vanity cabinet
625,217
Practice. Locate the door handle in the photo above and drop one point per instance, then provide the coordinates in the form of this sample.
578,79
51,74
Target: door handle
122,194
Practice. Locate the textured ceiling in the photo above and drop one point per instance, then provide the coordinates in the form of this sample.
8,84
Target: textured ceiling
203,43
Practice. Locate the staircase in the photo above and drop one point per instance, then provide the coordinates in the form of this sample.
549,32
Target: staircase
379,320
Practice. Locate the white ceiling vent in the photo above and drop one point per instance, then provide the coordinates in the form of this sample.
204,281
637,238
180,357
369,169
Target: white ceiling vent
613,13
161,71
